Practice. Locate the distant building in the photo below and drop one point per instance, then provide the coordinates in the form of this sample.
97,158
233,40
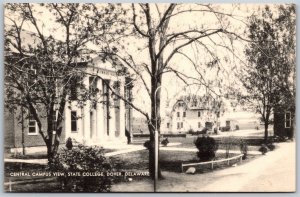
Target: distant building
192,113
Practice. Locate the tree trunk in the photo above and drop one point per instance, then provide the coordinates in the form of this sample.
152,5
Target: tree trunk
266,132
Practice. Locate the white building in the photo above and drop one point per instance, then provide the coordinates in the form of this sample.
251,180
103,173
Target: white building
99,121
190,114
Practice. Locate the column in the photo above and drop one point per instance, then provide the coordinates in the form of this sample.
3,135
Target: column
112,114
100,131
86,116
122,111
94,125
67,123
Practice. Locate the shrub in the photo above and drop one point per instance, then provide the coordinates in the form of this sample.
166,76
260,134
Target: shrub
207,148
69,144
148,144
191,131
83,159
165,142
271,146
263,149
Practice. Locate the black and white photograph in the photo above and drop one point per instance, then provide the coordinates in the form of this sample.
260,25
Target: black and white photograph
149,97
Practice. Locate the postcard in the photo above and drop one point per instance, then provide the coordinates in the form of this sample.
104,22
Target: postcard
149,97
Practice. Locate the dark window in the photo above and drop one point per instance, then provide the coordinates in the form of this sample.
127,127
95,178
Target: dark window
54,121
168,125
178,125
181,124
93,84
184,114
74,84
32,125
73,121
199,124
199,113
288,120
178,114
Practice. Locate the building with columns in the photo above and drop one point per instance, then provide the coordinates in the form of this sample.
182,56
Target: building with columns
100,120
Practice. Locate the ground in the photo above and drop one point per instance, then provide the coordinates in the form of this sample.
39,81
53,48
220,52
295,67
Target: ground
259,173
275,171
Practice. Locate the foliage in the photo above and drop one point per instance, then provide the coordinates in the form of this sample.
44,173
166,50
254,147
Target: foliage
191,131
263,149
83,159
148,144
271,146
69,144
269,76
165,142
207,148
42,66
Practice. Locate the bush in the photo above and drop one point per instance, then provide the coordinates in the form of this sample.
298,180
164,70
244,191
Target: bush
191,131
263,149
83,159
69,144
148,144
271,146
207,148
226,128
165,142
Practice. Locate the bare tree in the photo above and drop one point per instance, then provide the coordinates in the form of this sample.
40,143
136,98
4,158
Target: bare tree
164,43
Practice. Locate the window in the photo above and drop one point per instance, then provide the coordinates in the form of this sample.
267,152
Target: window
178,125
181,124
168,125
199,113
73,121
74,84
184,114
288,120
178,114
93,84
199,124
32,126
54,121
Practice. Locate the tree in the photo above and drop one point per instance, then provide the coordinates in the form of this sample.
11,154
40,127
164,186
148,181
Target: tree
42,63
271,57
164,44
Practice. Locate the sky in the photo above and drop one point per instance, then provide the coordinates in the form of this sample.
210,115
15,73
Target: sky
173,87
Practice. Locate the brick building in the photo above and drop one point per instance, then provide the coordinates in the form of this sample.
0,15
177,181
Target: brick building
86,123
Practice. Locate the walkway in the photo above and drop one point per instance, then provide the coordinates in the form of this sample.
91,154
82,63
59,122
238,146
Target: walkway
273,172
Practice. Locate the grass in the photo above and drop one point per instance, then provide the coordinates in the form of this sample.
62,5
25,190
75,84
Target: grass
40,155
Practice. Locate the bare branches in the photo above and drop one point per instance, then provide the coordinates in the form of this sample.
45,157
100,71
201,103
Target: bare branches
135,23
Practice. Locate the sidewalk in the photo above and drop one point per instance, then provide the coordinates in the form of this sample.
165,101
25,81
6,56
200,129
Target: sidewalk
273,172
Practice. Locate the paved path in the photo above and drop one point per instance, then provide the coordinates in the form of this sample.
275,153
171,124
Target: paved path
275,171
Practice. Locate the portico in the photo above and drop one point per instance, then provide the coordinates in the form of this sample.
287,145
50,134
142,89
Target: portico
100,120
